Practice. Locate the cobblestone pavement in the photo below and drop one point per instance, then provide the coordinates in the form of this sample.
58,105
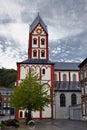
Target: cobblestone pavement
58,125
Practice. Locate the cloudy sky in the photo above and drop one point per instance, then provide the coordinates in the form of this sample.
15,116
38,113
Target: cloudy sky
66,21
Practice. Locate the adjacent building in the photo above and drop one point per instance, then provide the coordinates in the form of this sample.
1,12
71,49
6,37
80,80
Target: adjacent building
83,73
5,108
67,89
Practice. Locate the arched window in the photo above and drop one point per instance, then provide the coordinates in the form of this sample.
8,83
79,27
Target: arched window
26,113
74,77
34,41
21,114
55,77
34,53
73,99
43,71
42,53
64,77
42,41
62,100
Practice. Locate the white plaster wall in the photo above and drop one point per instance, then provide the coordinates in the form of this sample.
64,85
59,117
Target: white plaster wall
47,112
23,71
23,113
67,73
71,76
62,73
36,114
63,112
36,69
39,27
47,75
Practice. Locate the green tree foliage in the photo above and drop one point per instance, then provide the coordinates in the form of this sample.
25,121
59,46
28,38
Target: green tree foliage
7,77
30,94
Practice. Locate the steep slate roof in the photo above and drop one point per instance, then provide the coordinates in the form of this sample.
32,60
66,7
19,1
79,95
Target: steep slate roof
66,66
36,61
36,21
82,63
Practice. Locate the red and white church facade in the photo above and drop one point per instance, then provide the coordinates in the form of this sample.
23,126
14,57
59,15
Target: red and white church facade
65,75
38,59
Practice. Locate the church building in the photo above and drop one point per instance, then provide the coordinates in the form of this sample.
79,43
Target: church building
62,77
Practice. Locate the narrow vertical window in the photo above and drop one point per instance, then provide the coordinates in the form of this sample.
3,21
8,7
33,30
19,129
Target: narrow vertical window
64,78
62,100
34,53
74,81
42,41
43,53
73,99
74,77
35,41
21,113
43,71
26,114
55,77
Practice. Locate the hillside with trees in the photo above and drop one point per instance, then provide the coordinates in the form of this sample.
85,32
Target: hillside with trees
7,77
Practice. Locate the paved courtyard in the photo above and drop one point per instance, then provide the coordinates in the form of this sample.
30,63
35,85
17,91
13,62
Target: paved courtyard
58,125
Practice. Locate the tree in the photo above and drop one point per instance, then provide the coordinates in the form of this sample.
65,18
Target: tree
30,94
7,77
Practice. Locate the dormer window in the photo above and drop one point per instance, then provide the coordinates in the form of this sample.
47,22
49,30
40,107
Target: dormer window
42,53
34,53
34,41
42,41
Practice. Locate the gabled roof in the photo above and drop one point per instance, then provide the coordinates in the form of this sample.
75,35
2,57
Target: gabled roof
36,21
82,63
36,61
66,66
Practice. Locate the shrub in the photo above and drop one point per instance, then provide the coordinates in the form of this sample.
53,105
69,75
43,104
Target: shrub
10,122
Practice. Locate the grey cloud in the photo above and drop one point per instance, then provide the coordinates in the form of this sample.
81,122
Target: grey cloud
6,19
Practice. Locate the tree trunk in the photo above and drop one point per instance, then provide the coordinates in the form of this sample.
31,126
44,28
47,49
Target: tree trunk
29,115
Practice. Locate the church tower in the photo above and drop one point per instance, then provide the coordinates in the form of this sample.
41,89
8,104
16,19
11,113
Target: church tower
38,59
38,40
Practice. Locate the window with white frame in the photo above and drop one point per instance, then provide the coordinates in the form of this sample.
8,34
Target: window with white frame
8,104
4,111
82,88
74,78
85,74
42,41
81,74
42,53
64,77
34,53
86,87
35,41
83,108
8,111
4,98
8,98
4,104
